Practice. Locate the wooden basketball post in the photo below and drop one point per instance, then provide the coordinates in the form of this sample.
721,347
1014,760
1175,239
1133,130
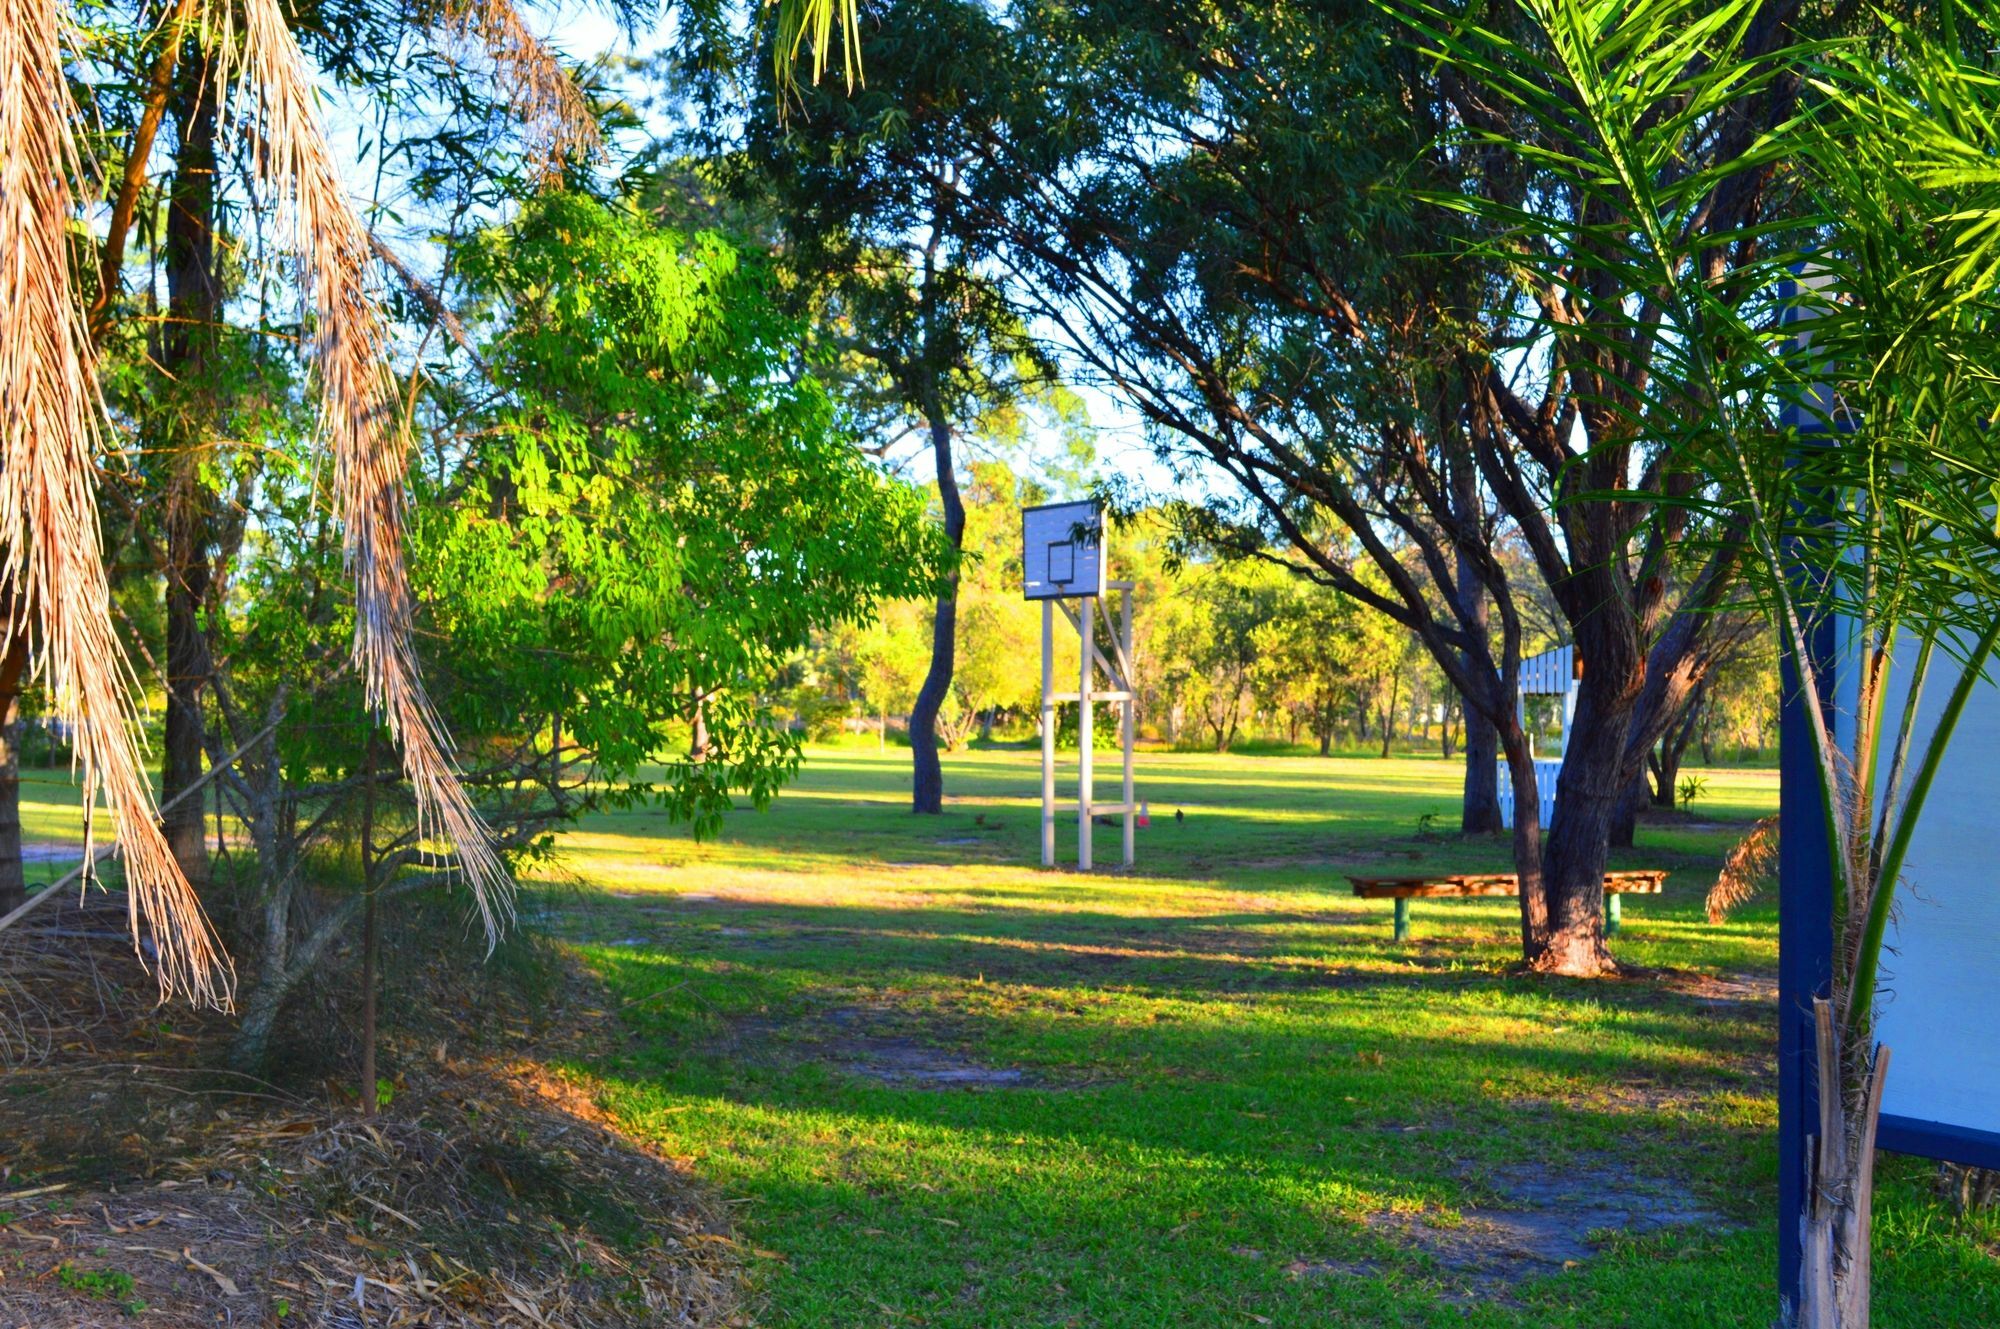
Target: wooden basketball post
1048,734
1117,670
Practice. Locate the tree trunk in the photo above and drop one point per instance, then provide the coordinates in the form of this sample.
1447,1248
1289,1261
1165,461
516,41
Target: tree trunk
986,725
698,730
250,1050
13,872
1480,814
194,304
1672,750
1389,712
927,773
1835,1255
1625,821
1527,837
1595,776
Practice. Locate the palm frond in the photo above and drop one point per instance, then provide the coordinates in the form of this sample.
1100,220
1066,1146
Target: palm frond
540,93
365,432
1749,865
814,21
53,553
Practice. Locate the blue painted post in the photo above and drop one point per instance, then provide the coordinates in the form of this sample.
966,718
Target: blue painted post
1805,911
1402,918
1805,953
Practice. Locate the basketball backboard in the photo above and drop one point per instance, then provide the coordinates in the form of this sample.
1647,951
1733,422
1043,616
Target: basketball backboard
1062,550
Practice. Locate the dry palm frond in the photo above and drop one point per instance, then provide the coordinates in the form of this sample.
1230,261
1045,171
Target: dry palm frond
365,430
49,538
541,95
1747,868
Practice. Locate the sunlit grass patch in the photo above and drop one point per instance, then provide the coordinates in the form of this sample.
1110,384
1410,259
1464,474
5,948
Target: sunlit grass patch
946,1087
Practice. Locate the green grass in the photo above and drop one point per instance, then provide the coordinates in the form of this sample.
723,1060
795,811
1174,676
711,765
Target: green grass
1239,1102
52,816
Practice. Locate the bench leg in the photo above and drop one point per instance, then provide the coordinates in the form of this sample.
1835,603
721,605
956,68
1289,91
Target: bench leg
1614,912
1402,918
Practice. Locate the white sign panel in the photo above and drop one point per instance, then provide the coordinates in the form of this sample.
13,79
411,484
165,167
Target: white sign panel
1062,550
1936,1009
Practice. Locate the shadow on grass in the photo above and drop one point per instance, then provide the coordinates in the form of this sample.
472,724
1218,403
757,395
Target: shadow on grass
1205,1116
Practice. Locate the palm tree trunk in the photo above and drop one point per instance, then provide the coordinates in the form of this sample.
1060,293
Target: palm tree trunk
1835,1246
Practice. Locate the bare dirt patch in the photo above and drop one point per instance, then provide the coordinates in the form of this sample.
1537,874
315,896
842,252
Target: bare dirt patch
1730,992
1542,1223
878,1042
864,1050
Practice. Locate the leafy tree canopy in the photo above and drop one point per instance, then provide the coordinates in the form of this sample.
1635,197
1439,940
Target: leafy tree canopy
657,506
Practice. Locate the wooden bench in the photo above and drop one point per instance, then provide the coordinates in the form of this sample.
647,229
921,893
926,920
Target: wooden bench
1405,889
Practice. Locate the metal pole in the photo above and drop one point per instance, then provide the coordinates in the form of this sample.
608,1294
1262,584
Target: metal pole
1087,629
1131,716
1048,734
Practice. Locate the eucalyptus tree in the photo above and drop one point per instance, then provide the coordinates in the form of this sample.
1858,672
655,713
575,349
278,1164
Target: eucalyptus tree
867,188
1251,221
1874,551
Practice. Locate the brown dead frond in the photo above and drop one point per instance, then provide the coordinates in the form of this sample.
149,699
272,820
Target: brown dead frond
365,431
546,101
53,553
1747,868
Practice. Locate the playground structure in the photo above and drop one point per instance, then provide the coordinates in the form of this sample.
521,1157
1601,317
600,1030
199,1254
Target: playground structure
1553,673
1062,559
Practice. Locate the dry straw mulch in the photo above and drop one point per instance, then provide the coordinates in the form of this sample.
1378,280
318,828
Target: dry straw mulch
139,1187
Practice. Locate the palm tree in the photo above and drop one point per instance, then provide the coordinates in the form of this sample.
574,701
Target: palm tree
1865,303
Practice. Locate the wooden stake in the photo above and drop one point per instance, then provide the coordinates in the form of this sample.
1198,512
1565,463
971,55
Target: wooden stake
1087,626
1048,734
370,938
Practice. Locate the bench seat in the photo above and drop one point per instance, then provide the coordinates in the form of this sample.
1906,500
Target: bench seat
1466,884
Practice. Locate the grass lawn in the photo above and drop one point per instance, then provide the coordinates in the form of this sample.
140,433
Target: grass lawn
943,1087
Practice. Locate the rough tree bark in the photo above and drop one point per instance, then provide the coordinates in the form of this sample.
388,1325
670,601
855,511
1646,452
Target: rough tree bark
1625,821
194,304
1587,795
927,774
1481,811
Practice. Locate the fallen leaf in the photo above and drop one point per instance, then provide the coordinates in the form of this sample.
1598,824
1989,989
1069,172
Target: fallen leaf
222,1280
